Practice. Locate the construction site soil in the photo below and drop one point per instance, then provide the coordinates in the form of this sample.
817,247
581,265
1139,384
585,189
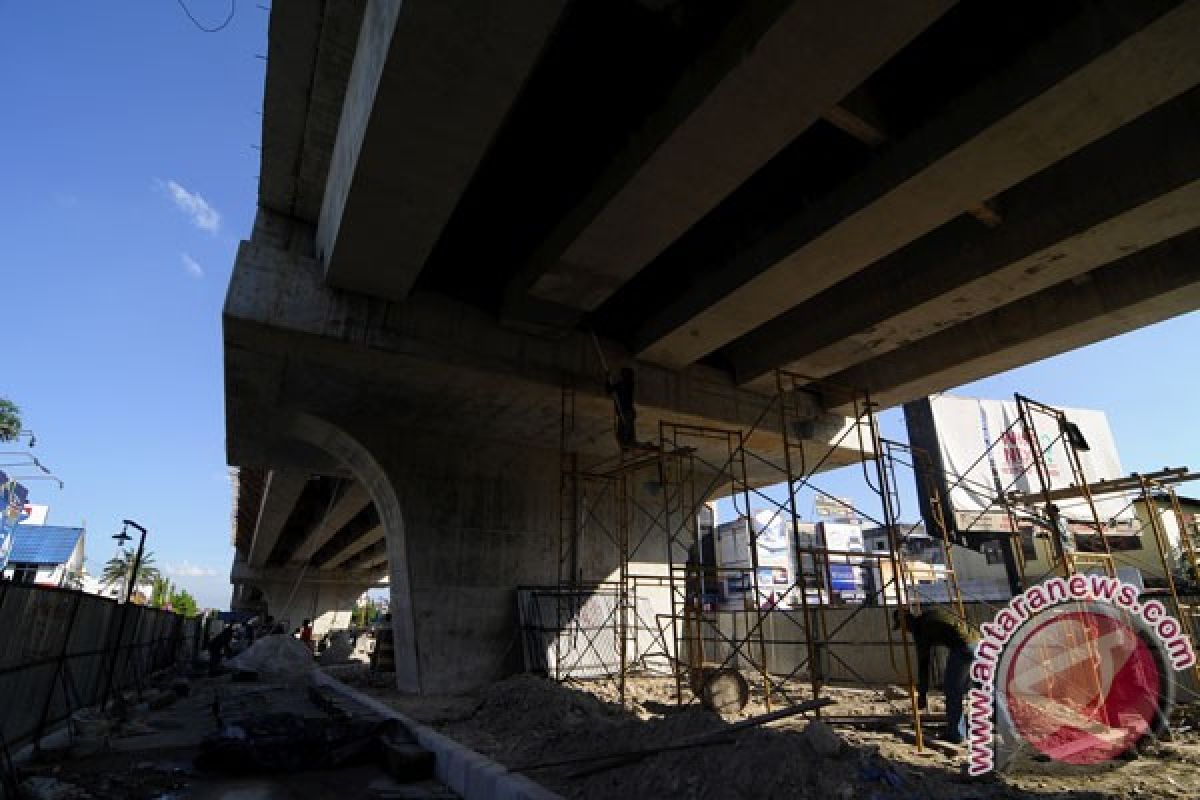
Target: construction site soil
529,724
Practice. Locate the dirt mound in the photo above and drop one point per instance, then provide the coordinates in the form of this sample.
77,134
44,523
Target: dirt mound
526,721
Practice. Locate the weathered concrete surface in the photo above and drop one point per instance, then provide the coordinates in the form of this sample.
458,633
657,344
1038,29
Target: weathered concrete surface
478,520
283,489
293,597
450,424
355,547
431,82
1089,210
1083,83
351,500
305,85
1155,284
781,67
290,336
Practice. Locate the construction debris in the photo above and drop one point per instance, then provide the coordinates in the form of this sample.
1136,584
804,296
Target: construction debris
287,742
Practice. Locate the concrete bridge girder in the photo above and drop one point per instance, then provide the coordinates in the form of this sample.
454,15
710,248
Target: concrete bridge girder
385,118
354,548
430,84
279,498
351,500
1085,86
442,366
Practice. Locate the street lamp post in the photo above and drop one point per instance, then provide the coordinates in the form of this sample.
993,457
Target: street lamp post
122,538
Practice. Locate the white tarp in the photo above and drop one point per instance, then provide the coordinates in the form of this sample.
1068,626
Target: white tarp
276,657
967,426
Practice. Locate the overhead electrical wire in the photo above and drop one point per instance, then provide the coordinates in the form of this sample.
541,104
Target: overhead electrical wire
198,24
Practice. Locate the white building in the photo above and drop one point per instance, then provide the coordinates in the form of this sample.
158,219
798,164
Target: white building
46,555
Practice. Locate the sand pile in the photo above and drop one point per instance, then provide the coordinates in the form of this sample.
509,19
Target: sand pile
526,720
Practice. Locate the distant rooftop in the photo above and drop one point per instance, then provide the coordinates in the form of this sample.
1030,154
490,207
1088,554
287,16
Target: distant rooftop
43,544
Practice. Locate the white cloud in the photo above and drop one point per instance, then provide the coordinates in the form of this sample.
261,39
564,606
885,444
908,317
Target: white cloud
190,570
203,216
192,266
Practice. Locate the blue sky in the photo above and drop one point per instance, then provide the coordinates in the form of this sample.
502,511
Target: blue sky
116,277
127,179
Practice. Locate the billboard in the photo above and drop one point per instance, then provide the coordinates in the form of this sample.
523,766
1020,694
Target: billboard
835,509
984,452
12,508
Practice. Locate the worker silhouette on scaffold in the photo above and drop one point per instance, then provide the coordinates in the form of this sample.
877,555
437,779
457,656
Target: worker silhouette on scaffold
621,390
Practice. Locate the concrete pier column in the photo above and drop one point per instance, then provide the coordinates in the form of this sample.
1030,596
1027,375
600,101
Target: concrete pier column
328,605
480,519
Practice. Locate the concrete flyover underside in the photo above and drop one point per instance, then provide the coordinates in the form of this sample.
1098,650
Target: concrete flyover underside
465,207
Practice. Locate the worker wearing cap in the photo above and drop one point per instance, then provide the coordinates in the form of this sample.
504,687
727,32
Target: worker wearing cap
939,627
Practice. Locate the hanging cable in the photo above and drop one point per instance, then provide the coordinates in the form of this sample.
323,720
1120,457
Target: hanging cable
200,26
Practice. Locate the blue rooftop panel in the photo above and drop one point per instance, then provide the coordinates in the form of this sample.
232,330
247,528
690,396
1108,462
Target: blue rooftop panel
43,544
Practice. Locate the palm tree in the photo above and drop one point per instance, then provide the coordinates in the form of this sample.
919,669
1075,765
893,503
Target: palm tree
160,591
10,420
117,569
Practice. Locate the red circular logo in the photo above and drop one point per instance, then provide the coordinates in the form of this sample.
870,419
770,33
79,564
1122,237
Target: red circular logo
1082,686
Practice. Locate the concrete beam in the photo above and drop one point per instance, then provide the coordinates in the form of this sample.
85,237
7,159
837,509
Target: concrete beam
438,367
369,538
1059,224
311,49
375,562
242,573
369,558
1146,287
780,65
1085,82
282,490
352,499
431,83
279,293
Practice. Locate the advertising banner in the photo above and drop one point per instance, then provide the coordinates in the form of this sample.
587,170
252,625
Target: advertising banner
35,514
12,508
835,509
976,476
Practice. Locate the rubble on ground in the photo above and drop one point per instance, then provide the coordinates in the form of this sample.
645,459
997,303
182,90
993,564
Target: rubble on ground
278,739
42,787
287,742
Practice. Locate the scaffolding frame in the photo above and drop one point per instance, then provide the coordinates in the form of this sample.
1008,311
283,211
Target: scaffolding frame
1068,561
703,642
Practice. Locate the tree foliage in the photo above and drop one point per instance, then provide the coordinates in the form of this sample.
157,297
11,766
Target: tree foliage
10,420
117,569
161,590
183,603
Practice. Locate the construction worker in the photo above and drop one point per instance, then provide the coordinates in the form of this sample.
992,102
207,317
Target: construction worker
218,648
939,627
622,392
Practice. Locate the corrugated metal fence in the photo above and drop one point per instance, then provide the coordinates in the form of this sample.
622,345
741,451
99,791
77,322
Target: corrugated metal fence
58,646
